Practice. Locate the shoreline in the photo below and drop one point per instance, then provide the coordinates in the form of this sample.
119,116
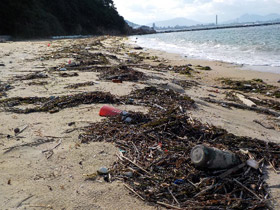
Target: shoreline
245,66
221,69
55,180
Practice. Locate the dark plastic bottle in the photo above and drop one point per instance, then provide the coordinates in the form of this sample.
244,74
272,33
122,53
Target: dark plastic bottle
213,158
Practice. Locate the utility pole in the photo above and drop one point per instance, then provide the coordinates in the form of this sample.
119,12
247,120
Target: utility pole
216,19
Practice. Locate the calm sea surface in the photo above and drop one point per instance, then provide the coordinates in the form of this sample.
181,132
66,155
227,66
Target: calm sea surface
254,46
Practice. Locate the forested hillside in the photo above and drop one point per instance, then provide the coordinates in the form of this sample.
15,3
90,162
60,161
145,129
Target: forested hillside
44,18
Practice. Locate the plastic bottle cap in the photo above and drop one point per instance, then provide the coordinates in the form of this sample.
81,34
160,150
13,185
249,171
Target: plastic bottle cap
198,155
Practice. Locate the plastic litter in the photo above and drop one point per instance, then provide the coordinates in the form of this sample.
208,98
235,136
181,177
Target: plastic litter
252,163
179,181
109,111
213,158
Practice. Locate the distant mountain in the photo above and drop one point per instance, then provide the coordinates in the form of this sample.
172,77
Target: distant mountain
175,22
131,24
254,18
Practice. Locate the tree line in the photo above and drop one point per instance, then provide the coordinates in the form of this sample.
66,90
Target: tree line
44,18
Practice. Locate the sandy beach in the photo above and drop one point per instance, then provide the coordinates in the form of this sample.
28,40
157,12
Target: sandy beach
44,166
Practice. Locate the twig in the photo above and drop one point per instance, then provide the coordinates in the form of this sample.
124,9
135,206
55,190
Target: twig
120,156
160,107
20,203
57,137
51,154
135,148
277,172
41,206
268,151
47,150
137,165
205,190
192,183
247,189
260,123
51,150
71,130
168,205
22,130
134,192
175,199
232,170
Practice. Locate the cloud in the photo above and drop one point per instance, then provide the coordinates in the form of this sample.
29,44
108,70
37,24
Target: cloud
147,11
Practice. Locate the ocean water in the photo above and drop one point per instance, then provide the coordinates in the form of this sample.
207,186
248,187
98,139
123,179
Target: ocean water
252,46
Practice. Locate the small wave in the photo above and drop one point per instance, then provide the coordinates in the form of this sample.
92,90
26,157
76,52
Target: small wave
233,46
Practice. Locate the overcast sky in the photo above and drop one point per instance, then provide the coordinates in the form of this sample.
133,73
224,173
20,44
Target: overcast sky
147,11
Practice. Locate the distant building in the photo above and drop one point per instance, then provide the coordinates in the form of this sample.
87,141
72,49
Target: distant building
154,26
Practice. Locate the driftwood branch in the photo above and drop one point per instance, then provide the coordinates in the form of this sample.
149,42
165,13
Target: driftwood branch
134,192
242,106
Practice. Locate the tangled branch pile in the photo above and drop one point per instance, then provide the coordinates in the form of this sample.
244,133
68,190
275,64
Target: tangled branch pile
155,157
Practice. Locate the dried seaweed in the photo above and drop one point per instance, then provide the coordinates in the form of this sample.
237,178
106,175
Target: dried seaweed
3,88
157,152
153,96
121,72
242,106
77,50
268,103
64,74
37,75
77,85
255,86
186,84
54,104
184,69
38,83
205,68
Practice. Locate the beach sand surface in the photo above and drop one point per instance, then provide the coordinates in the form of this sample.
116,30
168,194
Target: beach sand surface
30,179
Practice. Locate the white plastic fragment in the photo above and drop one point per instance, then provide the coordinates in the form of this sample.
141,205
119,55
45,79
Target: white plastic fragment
252,163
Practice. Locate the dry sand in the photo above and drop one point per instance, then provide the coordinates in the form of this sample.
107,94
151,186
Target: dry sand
31,181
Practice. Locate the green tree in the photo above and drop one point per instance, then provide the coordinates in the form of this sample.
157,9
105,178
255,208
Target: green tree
43,18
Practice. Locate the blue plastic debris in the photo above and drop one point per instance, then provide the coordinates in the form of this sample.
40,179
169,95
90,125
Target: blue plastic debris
179,181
